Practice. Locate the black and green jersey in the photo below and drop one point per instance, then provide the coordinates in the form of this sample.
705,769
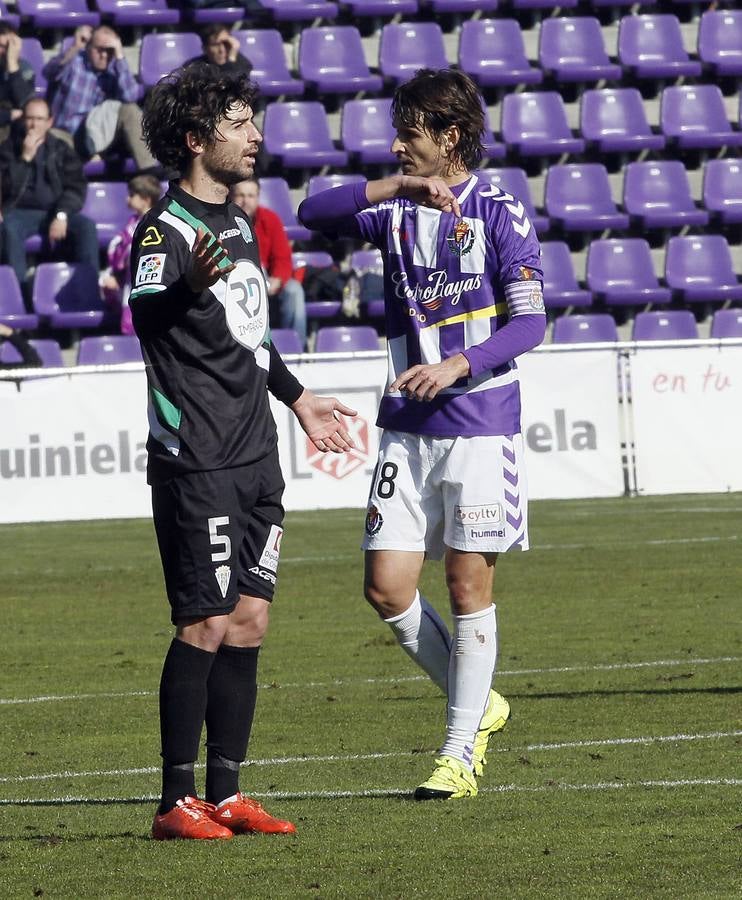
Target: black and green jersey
209,357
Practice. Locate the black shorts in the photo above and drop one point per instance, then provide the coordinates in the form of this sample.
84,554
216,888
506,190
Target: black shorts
219,535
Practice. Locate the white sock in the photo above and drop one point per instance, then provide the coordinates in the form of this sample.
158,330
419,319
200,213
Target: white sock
470,672
424,637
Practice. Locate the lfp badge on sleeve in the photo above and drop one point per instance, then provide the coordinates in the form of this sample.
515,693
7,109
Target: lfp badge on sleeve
246,304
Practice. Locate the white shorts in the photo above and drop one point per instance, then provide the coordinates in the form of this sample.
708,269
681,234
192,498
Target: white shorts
429,493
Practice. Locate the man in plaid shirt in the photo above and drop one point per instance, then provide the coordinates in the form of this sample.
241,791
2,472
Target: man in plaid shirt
94,95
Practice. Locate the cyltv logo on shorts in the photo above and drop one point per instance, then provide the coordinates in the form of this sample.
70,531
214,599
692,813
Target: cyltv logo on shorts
487,514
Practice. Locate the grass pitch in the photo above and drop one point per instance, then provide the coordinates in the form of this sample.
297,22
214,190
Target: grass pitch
619,775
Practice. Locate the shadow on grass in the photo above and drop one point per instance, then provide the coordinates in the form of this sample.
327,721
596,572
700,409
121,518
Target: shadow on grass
579,695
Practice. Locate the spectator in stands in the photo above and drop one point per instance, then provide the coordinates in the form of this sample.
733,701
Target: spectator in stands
43,190
286,294
19,340
17,79
222,49
94,96
144,192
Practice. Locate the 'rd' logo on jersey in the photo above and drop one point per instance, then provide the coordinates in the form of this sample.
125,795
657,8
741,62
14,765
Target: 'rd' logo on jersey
246,304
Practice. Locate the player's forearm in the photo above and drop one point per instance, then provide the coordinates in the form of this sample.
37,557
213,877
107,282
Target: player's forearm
281,383
329,207
520,334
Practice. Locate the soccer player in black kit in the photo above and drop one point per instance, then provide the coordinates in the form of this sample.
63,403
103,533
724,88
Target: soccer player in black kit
200,308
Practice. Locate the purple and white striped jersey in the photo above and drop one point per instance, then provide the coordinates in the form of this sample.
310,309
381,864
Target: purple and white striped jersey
450,284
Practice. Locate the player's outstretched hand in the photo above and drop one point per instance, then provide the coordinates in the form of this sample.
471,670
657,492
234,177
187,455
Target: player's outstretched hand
426,382
203,270
433,192
318,416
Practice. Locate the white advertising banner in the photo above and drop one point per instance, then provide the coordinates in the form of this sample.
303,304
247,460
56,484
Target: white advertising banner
687,409
317,480
73,447
571,425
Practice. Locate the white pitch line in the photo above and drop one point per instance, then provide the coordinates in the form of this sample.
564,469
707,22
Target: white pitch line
395,754
393,679
396,792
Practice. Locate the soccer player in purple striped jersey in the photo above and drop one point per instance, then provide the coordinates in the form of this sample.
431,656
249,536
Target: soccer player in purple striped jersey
464,298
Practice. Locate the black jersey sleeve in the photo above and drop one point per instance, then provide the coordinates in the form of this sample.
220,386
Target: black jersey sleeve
160,294
281,383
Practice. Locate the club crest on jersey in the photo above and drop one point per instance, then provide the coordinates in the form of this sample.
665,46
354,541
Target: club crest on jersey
461,239
374,521
244,229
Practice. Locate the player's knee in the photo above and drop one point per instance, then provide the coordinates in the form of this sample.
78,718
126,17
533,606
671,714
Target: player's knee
465,594
248,624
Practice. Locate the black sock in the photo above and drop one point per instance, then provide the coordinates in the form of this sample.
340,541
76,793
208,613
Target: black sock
183,693
229,713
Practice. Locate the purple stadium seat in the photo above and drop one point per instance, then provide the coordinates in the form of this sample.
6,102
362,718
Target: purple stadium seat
362,261
275,195
587,329
161,53
514,181
57,13
460,6
299,10
105,204
722,189
596,4
651,46
543,4
264,48
380,8
493,53
535,124
9,18
319,183
109,350
657,195
286,340
137,12
695,117
48,350
367,132
409,46
223,15
12,310
668,325
344,339
578,198
298,134
318,309
561,288
572,49
620,272
726,323
493,149
700,269
720,41
614,121
331,61
33,53
66,295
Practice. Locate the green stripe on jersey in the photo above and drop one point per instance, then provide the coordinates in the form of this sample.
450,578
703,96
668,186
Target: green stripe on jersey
166,411
182,213
147,289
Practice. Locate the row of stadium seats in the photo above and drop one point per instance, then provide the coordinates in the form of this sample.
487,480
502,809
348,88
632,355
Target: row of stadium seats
656,195
331,60
568,329
619,272
54,14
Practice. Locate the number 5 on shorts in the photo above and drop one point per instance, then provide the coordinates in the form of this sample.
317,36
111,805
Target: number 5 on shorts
219,540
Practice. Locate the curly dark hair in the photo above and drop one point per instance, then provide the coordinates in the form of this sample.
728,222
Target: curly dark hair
436,99
193,98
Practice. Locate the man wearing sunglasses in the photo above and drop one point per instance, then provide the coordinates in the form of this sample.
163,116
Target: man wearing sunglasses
94,96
